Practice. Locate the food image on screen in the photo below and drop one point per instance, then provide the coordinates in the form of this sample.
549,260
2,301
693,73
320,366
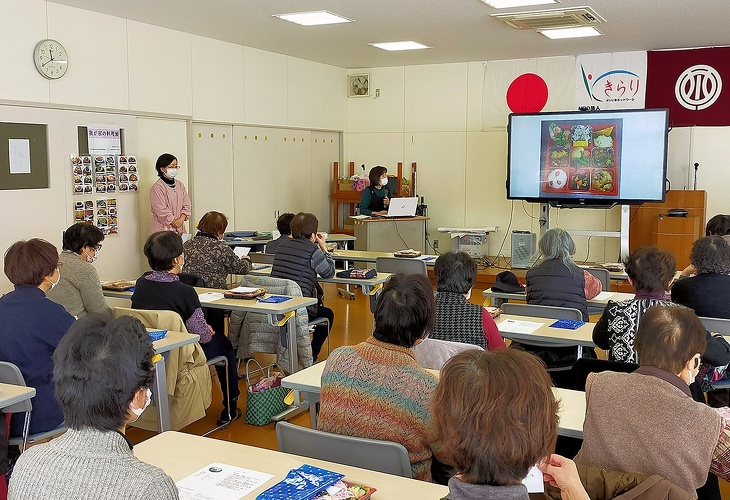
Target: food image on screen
580,157
557,179
559,157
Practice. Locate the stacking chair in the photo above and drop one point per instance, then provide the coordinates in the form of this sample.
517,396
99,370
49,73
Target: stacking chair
602,275
371,454
400,265
551,312
160,319
10,374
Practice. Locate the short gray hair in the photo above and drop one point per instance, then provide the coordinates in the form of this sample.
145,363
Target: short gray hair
711,254
556,243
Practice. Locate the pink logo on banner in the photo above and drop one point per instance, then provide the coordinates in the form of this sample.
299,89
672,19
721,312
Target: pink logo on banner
528,93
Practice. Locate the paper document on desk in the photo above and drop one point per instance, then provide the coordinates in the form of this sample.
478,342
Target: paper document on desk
220,482
241,251
243,289
516,326
359,217
603,296
209,297
534,481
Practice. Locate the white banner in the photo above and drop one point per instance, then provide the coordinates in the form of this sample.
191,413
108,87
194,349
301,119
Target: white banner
611,81
526,86
104,140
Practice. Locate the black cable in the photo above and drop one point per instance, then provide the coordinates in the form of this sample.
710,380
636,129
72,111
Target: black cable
395,225
588,252
496,258
429,244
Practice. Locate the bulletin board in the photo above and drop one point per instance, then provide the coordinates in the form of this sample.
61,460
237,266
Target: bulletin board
23,156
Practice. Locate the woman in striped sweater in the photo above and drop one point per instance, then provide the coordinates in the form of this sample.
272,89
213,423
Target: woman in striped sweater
375,389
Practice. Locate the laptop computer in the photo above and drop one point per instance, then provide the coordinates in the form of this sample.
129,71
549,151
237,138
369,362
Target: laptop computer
402,207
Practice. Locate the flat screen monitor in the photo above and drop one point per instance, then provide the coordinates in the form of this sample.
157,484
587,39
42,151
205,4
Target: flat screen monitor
596,158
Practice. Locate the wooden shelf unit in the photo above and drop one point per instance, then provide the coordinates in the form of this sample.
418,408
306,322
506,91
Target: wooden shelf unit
351,198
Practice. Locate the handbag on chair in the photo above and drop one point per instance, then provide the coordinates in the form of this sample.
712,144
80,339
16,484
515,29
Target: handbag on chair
265,398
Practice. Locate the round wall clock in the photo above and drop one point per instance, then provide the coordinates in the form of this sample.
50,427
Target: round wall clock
51,59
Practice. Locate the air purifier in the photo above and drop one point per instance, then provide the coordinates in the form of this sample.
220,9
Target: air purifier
523,249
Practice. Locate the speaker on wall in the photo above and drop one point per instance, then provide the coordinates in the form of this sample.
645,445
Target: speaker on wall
523,249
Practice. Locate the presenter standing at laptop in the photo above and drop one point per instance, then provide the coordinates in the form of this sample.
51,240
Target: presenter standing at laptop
376,198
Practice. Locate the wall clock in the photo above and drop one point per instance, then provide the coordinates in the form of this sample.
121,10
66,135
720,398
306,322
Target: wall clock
51,59
358,85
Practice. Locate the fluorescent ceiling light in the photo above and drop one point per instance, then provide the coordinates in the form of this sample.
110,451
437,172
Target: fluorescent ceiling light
410,45
313,18
559,33
505,4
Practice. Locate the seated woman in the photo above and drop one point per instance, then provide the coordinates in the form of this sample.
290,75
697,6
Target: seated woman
102,373
650,271
486,432
283,225
79,290
558,281
457,319
162,290
375,198
208,257
708,293
301,259
376,389
719,225
646,421
32,326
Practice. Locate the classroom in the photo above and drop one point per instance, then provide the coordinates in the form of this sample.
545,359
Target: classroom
257,111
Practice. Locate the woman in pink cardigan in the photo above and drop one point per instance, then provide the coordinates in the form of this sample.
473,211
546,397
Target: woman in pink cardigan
169,199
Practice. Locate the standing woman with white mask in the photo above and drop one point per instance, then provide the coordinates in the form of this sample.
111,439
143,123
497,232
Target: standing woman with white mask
169,199
32,326
79,291
376,198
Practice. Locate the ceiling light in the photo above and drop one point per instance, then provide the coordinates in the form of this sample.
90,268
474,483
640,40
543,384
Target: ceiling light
504,4
410,45
314,18
557,34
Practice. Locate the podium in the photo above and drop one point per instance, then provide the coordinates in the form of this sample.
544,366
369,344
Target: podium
677,234
390,234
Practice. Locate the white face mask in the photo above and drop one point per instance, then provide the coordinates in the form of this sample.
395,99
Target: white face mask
384,182
53,285
147,400
92,258
171,172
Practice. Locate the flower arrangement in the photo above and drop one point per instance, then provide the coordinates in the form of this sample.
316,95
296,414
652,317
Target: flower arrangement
359,183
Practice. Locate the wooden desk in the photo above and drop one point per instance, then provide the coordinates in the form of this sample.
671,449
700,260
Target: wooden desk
276,313
179,455
545,335
571,412
498,298
163,346
11,394
367,256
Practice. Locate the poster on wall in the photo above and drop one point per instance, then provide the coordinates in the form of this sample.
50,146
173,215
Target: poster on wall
83,180
106,174
84,211
104,140
106,216
128,174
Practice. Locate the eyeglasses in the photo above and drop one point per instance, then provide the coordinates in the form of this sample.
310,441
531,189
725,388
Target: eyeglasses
97,248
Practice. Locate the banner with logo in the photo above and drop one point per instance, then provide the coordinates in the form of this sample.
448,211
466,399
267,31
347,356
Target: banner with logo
690,83
526,86
611,81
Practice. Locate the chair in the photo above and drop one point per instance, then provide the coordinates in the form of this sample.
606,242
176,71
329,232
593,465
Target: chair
551,312
716,325
400,265
371,454
433,354
321,321
10,374
261,258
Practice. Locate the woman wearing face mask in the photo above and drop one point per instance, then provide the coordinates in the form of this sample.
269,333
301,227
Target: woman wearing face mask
375,198
79,290
647,421
31,327
169,199
208,257
103,371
